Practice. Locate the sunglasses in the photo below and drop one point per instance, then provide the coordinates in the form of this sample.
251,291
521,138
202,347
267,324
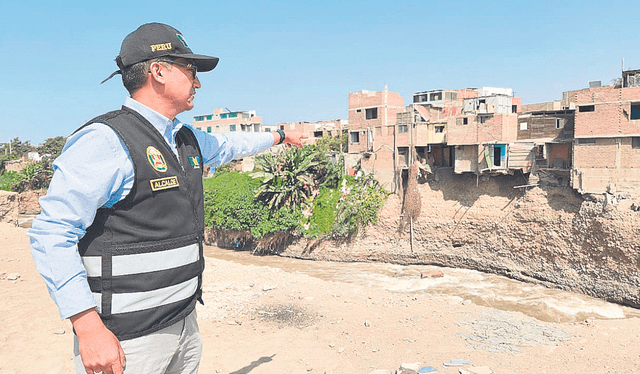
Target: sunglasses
192,68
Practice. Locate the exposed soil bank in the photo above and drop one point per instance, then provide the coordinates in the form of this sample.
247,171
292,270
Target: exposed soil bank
545,233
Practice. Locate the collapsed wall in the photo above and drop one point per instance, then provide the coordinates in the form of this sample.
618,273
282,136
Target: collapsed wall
544,233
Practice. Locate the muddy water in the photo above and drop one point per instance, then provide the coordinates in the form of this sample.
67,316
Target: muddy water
490,290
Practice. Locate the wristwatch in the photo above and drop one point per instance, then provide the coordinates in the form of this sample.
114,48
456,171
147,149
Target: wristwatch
282,136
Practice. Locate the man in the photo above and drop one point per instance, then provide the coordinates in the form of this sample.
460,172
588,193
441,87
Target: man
119,241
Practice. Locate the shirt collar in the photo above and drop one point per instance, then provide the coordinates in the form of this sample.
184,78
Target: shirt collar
163,124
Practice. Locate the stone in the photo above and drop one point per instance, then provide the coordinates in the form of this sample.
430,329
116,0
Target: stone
431,274
408,368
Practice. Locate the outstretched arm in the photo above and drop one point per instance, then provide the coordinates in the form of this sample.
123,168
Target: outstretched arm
293,138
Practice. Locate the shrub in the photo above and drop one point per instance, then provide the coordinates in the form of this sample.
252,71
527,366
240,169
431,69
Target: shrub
230,205
323,214
8,179
359,207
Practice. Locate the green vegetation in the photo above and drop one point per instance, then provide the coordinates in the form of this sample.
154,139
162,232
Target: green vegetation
230,205
297,193
36,174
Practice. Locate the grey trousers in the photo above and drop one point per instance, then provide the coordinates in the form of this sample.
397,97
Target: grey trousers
173,350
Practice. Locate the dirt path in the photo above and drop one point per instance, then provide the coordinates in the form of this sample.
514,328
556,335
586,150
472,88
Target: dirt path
263,320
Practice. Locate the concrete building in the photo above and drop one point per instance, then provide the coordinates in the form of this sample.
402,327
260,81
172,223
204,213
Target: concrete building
606,150
315,130
220,121
422,127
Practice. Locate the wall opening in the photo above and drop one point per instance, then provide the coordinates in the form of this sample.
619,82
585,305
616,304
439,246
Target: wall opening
635,111
587,108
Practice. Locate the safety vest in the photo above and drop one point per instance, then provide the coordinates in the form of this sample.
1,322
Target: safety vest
144,255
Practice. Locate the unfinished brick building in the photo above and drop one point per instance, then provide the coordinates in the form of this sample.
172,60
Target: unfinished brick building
606,151
372,130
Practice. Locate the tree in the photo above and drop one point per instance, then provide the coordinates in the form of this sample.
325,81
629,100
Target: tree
287,177
52,147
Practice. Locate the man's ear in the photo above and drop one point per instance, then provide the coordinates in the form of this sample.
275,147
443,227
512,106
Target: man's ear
156,71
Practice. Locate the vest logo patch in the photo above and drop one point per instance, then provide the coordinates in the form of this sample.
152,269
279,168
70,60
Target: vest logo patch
164,183
194,161
156,159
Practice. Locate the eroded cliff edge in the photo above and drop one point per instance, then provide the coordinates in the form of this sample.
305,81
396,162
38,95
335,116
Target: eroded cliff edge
545,233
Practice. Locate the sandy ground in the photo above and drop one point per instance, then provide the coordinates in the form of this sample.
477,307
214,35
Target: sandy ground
263,320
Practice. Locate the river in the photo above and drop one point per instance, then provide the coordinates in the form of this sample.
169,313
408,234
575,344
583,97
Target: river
545,304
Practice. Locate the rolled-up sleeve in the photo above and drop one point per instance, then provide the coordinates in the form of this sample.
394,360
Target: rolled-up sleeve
93,171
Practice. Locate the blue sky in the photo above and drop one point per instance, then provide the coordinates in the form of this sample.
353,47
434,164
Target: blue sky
298,61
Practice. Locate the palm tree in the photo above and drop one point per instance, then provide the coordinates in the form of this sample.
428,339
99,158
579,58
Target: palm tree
288,177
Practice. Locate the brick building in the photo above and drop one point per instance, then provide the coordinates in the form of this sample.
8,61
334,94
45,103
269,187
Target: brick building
606,150
372,130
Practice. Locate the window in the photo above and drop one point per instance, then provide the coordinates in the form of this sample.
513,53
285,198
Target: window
317,134
587,108
371,113
514,109
462,121
559,123
586,141
436,96
524,125
358,110
208,128
354,137
209,118
439,129
223,115
635,142
635,111
232,127
282,127
402,128
484,119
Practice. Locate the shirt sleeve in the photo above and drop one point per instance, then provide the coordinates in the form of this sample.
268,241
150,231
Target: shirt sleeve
218,149
93,171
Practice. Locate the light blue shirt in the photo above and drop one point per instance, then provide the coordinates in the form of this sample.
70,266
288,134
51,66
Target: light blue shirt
94,171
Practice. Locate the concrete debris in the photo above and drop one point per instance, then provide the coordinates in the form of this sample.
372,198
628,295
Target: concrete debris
499,332
457,362
427,369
